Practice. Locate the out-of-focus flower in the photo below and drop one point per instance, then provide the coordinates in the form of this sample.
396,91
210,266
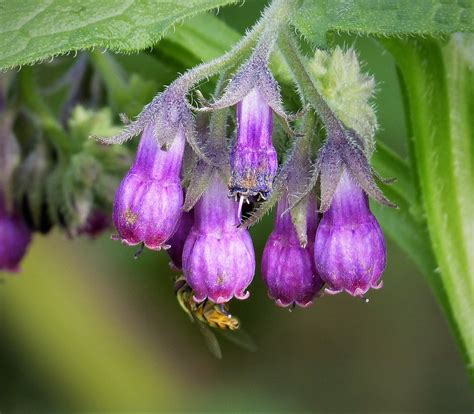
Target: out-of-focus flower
288,269
349,248
15,237
97,222
218,257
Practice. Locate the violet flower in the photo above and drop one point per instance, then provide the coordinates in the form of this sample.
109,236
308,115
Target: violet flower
148,202
176,242
15,236
218,257
288,270
349,248
97,222
257,95
253,159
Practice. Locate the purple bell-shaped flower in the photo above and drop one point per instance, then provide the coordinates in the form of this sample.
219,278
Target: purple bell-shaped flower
253,159
15,236
288,269
349,248
148,202
218,257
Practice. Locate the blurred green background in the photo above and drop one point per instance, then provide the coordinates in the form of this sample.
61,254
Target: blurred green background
86,327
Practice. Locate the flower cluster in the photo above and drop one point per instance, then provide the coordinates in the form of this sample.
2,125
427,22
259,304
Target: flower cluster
185,190
344,250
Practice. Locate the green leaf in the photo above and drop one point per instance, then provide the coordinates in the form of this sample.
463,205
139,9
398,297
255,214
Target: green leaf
438,81
383,17
32,30
388,164
205,36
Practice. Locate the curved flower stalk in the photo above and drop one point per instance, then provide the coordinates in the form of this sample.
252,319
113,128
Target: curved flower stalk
169,111
253,158
343,147
148,202
288,269
218,257
349,247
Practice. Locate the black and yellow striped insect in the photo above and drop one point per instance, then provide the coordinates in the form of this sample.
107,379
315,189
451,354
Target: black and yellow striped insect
207,315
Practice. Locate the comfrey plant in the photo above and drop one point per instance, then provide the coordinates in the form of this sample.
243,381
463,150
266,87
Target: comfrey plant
281,128
347,251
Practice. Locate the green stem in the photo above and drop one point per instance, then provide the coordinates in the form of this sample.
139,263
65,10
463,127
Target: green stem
306,87
32,98
218,119
439,93
267,27
112,75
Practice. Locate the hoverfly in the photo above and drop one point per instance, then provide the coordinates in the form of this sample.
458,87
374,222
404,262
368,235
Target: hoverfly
210,318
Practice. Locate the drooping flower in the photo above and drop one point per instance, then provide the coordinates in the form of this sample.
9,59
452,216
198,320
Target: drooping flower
148,202
15,237
288,269
257,95
176,242
253,159
349,248
218,257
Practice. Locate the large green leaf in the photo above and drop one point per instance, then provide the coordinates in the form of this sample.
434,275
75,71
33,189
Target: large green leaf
383,17
32,30
438,81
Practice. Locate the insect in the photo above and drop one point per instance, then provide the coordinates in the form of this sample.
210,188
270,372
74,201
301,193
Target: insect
211,317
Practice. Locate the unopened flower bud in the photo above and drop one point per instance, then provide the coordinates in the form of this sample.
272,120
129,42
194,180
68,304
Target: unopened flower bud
148,202
349,247
218,257
288,269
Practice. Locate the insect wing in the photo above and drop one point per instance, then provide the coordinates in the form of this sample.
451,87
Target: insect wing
211,341
240,338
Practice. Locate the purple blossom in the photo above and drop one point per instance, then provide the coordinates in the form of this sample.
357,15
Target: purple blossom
349,247
148,202
288,269
178,239
218,257
253,158
15,236
97,222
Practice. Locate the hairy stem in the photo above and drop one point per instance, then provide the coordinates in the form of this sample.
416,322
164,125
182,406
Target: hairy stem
296,62
267,27
438,87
